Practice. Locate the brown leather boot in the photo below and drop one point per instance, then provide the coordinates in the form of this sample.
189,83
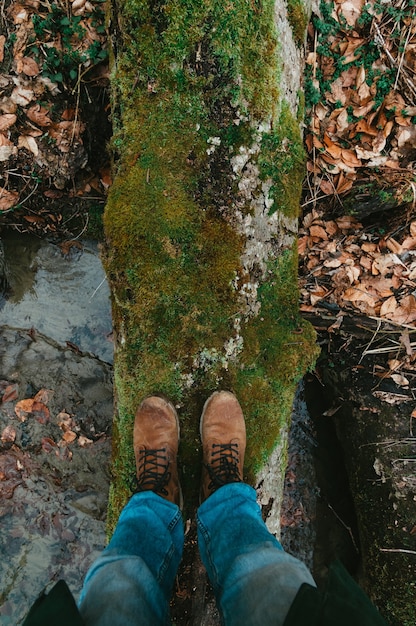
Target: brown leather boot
155,442
223,434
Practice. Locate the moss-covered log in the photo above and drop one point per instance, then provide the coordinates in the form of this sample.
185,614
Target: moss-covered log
201,219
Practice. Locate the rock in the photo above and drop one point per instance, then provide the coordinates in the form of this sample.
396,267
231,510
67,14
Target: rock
54,491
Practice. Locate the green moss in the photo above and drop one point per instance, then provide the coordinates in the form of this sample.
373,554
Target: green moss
95,228
301,107
298,19
279,347
283,161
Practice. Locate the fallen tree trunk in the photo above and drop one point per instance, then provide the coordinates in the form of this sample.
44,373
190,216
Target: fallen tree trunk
201,221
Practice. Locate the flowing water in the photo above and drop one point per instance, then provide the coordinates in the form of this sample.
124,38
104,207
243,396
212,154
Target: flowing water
66,298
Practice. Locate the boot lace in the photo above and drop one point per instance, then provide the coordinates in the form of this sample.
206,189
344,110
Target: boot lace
223,468
153,471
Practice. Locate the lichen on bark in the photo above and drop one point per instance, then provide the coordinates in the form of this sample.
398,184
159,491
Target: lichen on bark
201,222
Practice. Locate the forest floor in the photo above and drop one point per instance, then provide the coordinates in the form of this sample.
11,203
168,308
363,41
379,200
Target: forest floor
357,231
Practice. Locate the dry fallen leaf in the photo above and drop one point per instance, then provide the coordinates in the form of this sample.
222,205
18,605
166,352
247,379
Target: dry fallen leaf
29,67
31,407
29,143
23,408
6,152
8,199
392,398
22,96
84,441
9,434
347,222
39,115
326,186
43,395
10,393
48,444
2,42
332,263
40,412
393,246
389,306
400,380
7,120
318,231
394,364
406,312
69,436
65,421
105,177
318,294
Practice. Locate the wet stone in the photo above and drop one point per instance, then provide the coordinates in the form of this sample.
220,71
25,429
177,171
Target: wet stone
54,476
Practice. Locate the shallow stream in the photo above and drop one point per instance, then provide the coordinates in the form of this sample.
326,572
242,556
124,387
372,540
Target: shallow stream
65,297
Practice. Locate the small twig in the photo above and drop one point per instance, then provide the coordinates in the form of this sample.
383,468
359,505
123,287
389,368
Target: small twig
77,104
402,550
315,66
402,57
315,199
392,442
383,350
413,186
87,219
412,328
348,528
95,290
366,350
31,194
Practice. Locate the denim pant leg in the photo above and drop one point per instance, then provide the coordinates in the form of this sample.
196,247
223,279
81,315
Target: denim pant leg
131,582
255,581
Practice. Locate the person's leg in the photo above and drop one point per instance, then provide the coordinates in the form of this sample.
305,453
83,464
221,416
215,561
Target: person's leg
254,580
131,582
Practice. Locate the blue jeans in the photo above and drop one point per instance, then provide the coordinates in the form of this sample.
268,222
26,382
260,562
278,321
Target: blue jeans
255,581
